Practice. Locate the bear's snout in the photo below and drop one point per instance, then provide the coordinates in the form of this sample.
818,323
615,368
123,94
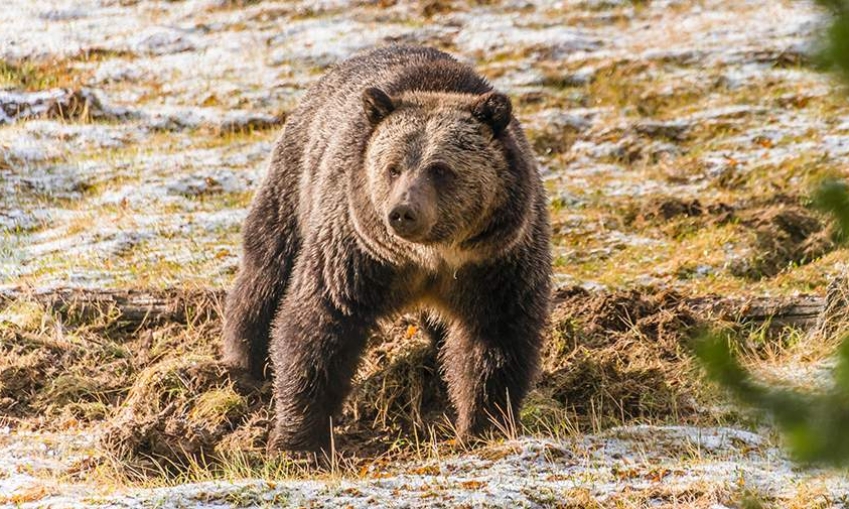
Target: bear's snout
412,212
406,221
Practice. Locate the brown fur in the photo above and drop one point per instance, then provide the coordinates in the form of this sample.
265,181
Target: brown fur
402,182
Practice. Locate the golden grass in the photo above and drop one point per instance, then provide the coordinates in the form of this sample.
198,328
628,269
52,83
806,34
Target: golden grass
97,369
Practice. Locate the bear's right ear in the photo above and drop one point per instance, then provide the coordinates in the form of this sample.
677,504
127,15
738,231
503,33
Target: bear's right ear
493,109
377,105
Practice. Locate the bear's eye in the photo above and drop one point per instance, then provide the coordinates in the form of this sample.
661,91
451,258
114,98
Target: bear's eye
393,172
440,170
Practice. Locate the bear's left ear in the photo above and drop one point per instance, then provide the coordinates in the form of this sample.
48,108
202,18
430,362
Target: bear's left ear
493,109
377,105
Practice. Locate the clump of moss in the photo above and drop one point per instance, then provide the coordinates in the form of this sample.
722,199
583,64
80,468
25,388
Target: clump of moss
615,357
177,411
784,236
399,384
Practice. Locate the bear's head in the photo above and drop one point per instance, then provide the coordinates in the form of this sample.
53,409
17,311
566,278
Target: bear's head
435,163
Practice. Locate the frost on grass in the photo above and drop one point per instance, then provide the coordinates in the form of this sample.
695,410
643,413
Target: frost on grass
643,465
623,103
58,103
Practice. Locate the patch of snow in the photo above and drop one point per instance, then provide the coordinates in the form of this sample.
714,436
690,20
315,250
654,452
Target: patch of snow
162,41
487,33
326,41
629,459
15,105
217,181
175,118
552,118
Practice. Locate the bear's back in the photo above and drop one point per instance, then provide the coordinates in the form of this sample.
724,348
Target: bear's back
395,69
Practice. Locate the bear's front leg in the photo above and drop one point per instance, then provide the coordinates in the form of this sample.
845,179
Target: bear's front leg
315,348
491,353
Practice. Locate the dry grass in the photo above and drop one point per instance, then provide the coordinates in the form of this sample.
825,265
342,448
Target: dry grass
174,416
33,76
171,413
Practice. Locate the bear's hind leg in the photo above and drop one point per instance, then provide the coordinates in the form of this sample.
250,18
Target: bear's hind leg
271,243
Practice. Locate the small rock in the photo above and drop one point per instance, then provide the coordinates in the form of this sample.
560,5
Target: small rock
676,130
59,103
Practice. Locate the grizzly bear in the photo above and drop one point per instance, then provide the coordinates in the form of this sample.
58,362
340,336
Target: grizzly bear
402,182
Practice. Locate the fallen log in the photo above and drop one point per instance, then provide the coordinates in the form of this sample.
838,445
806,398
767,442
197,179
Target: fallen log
138,308
127,309
800,311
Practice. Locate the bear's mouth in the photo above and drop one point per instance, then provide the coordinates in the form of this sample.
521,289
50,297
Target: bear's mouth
416,237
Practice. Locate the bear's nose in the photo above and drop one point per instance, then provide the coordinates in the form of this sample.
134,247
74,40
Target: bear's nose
404,220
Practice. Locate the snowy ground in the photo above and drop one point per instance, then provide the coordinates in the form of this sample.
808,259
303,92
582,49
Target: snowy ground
626,103
152,191
639,465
